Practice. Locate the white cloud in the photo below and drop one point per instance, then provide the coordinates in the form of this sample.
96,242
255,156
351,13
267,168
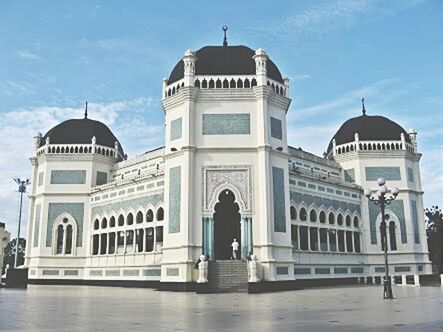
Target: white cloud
127,119
300,77
28,55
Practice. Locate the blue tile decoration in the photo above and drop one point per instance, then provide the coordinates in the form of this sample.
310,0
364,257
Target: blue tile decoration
112,273
322,270
102,178
357,270
38,210
389,173
176,129
76,210
340,270
397,208
276,128
151,273
134,204
410,174
68,176
308,199
174,199
402,268
278,180
349,175
226,124
415,221
172,272
40,178
282,270
50,272
379,269
96,273
131,273
302,270
71,273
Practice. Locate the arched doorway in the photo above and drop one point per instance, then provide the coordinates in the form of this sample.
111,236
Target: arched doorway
226,224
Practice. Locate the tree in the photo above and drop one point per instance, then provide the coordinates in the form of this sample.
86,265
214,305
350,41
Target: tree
434,232
10,253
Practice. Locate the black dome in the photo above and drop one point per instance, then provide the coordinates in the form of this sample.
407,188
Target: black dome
225,60
81,131
368,127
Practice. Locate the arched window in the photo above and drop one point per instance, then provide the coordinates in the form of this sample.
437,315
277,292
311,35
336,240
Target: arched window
112,222
104,223
64,236
331,218
96,224
355,221
139,218
313,215
293,213
160,214
322,217
348,220
150,216
392,238
339,219
303,214
121,220
129,219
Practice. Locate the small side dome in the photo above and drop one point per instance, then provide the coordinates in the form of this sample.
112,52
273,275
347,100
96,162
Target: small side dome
81,131
369,128
225,60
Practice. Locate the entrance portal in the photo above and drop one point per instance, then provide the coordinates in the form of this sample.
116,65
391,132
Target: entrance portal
226,224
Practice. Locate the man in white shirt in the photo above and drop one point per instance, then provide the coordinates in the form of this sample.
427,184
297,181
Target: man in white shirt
235,246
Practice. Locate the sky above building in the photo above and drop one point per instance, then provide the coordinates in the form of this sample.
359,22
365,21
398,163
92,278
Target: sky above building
55,55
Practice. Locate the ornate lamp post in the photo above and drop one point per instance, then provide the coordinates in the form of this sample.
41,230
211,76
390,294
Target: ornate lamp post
21,189
382,197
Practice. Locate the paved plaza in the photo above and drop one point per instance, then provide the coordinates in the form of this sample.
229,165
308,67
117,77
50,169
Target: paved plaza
82,308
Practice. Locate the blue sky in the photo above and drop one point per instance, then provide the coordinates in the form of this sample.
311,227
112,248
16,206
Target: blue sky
57,54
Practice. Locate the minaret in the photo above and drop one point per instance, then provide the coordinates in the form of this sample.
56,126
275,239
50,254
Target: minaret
260,58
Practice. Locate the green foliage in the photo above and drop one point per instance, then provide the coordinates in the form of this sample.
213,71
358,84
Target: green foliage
10,253
434,232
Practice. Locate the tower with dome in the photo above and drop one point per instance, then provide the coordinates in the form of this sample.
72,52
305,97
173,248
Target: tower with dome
225,172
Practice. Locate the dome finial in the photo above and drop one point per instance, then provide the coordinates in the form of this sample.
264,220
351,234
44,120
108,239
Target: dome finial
86,110
225,40
363,106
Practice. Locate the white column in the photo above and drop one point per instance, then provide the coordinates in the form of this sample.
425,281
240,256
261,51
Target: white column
99,243
403,280
64,241
416,280
298,237
154,240
107,243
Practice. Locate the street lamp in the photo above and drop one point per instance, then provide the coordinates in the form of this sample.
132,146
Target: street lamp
383,196
21,189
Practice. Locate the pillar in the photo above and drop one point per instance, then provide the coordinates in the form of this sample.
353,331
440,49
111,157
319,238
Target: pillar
403,280
416,280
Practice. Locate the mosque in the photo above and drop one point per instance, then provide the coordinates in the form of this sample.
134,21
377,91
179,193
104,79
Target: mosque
225,171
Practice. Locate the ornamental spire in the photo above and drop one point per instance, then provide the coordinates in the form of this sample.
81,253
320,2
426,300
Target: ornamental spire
225,40
363,106
86,110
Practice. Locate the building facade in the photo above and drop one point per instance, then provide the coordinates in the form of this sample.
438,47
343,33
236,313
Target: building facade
225,171
5,237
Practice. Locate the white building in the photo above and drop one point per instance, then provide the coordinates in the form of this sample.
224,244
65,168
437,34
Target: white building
5,237
226,171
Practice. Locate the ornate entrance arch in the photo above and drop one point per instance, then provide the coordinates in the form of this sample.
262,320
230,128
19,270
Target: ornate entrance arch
226,224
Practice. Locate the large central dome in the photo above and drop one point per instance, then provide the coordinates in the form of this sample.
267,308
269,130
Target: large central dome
225,60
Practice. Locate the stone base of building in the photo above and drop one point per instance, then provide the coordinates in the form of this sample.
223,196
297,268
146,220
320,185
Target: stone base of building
16,278
112,283
285,285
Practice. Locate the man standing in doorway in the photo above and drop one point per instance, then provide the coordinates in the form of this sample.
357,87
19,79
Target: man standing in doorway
234,246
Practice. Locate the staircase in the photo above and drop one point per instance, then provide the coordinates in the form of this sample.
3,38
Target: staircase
228,276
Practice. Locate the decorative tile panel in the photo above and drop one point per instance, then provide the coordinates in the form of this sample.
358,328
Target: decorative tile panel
302,270
172,272
68,177
379,269
278,185
131,273
96,273
176,129
102,178
340,270
410,174
402,268
112,273
71,273
282,270
397,208
298,197
349,175
50,272
38,210
152,273
322,270
76,210
40,178
174,199
226,124
276,128
357,270
389,173
415,221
